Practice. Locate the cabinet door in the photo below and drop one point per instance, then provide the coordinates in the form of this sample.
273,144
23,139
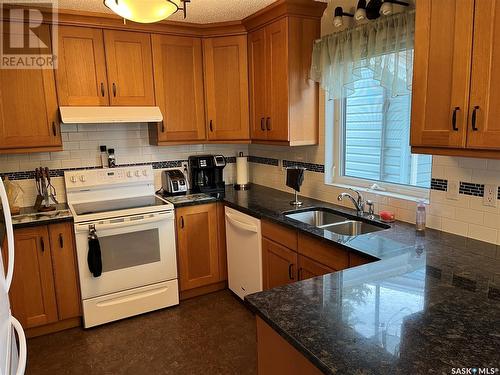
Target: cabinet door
257,74
178,76
65,270
279,264
443,44
221,222
197,246
277,80
32,293
484,111
309,268
33,89
81,72
226,87
129,67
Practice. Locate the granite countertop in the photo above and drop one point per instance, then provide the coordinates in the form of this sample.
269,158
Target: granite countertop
428,304
29,217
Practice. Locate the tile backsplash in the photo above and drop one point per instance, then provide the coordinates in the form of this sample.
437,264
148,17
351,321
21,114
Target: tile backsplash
81,150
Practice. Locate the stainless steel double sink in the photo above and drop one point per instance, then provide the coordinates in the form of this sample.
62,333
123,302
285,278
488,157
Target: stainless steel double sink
335,222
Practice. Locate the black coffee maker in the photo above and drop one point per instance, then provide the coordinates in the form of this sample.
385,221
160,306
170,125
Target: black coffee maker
206,174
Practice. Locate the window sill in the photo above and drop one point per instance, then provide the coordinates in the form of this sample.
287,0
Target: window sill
384,193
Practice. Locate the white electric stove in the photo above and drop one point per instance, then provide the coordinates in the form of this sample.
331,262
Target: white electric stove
136,234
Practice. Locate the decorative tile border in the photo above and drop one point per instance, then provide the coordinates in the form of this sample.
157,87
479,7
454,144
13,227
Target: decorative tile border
320,168
261,160
29,175
468,188
438,184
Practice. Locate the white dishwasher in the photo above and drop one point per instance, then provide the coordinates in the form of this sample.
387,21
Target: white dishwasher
244,253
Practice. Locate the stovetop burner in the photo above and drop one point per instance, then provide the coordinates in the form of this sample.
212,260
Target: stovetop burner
89,208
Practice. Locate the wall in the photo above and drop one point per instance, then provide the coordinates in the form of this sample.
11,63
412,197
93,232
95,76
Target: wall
81,150
466,216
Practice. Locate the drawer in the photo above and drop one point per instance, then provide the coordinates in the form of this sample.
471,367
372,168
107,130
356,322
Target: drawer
280,234
328,254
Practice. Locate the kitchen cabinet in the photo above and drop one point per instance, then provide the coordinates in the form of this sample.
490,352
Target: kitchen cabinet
358,259
81,75
221,223
130,68
197,246
107,67
36,129
178,77
283,101
456,74
44,295
279,264
329,254
309,268
226,88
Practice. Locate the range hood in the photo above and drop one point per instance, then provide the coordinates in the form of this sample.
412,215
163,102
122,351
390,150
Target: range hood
107,115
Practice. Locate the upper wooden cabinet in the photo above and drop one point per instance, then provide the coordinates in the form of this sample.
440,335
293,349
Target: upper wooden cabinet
456,99
226,88
130,68
29,119
81,74
283,101
178,77
104,67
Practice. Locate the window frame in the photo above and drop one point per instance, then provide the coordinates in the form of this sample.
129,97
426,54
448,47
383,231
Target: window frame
334,154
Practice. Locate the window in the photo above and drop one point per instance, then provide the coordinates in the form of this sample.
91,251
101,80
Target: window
371,141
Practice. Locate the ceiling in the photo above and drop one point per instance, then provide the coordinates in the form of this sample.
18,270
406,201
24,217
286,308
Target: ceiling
198,11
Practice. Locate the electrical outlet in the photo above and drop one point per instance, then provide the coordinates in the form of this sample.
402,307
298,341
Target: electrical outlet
453,190
490,195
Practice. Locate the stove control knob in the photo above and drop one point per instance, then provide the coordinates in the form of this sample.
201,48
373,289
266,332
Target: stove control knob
82,178
144,172
129,174
138,173
73,179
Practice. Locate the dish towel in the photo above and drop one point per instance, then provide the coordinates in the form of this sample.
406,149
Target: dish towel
295,177
94,255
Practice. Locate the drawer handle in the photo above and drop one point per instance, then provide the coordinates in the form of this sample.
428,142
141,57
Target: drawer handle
290,271
54,130
211,126
454,118
61,241
268,123
102,89
114,89
42,244
474,118
262,125
182,222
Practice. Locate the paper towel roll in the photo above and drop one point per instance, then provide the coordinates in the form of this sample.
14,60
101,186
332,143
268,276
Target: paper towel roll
241,170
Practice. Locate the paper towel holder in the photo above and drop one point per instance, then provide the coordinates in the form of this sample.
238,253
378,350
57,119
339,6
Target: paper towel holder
242,186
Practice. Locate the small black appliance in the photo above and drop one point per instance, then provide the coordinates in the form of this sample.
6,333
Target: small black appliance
206,174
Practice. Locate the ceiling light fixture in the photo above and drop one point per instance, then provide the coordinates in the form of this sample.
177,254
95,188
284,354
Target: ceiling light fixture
146,11
387,8
360,13
337,16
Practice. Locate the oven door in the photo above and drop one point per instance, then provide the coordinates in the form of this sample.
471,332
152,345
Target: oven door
136,251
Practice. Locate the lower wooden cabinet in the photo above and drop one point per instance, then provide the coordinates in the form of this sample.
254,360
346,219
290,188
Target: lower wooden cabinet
279,264
309,268
198,246
45,283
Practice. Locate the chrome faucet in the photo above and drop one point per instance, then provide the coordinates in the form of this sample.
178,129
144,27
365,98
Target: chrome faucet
358,203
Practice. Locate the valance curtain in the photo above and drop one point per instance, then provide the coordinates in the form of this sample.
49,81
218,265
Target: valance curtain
384,46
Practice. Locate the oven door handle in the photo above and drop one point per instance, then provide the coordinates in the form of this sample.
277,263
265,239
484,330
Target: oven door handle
126,223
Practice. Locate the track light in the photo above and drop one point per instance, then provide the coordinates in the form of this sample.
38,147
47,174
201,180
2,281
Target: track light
360,13
337,16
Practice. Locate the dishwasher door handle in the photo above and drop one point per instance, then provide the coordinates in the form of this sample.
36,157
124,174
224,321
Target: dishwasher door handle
240,224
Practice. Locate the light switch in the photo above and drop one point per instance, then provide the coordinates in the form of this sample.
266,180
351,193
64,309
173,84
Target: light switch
490,195
453,190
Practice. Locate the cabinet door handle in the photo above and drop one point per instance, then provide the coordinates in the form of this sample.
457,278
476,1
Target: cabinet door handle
262,125
211,126
299,273
268,123
474,118
454,118
102,90
61,241
54,130
42,244
182,222
163,126
114,89
290,271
